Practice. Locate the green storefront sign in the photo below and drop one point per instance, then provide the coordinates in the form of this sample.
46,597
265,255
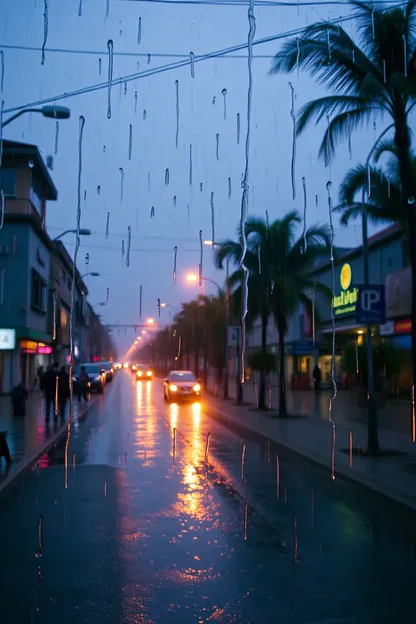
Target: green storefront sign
346,301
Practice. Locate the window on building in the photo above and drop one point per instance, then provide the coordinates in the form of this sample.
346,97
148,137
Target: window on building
38,291
8,182
35,197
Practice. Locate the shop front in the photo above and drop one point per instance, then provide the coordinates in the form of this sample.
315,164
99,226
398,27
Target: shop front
7,347
32,355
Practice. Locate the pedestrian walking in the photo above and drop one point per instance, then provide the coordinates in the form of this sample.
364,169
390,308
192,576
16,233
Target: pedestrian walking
48,385
317,377
83,382
63,391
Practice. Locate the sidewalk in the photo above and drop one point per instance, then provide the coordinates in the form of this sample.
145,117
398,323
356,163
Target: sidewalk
30,437
394,417
392,476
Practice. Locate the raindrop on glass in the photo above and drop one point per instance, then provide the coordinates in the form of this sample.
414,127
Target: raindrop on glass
107,225
107,294
177,111
152,212
87,258
54,306
128,246
110,75
98,189
245,193
130,140
174,200
349,134
213,101
201,256
175,255
404,56
107,8
229,188
333,380
212,221
411,200
224,95
293,160
71,315
85,194
80,8
149,59
192,56
190,164
217,146
139,31
99,67
167,177
56,137
305,242
122,249
238,128
45,30
201,186
135,101
327,143
125,89
121,183
316,200
373,26
384,72
144,115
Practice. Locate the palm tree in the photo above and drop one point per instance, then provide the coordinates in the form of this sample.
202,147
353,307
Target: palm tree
279,278
382,185
259,283
369,80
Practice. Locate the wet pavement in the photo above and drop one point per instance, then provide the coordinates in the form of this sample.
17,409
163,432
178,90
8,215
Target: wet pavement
162,522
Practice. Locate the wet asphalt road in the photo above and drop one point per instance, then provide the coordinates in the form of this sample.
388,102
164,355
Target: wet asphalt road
148,532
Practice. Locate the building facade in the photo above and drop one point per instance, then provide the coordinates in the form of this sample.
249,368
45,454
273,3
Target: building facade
308,342
36,277
24,264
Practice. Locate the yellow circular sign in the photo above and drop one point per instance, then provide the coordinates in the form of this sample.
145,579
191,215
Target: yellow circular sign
345,277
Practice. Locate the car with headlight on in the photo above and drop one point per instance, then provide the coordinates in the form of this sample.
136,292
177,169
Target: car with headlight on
109,370
97,377
181,385
144,372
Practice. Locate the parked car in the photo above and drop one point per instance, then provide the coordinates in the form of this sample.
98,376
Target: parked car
97,376
144,371
109,370
181,385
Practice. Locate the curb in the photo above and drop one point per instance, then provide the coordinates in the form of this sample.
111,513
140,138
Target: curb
28,461
345,472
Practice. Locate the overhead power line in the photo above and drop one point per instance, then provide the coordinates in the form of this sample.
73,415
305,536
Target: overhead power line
171,66
176,65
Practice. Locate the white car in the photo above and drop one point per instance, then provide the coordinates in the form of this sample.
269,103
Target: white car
181,385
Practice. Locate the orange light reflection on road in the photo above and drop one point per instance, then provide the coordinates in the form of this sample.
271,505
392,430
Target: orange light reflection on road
192,501
145,422
173,414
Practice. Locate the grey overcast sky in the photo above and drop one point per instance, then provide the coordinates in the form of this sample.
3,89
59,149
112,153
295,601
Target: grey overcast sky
76,47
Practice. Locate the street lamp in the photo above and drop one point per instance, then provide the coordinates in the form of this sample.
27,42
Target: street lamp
150,321
82,232
192,277
92,273
54,112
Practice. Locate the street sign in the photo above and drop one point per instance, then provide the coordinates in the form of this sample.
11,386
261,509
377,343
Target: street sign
233,335
371,304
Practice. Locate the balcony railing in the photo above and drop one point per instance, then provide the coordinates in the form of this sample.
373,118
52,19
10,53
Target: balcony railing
20,205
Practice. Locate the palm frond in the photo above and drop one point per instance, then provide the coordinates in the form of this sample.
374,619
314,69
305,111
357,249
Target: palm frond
384,146
342,126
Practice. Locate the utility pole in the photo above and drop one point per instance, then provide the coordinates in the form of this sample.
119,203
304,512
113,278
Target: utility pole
372,419
227,325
